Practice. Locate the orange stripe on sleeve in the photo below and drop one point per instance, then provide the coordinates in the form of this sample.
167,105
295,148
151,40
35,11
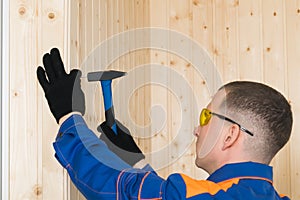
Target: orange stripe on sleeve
255,178
140,189
282,195
117,184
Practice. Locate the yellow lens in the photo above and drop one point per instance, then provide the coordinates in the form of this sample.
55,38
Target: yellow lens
205,117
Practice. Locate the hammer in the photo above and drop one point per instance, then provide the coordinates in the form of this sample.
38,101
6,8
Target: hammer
105,78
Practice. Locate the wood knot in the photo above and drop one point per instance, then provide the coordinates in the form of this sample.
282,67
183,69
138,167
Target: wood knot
216,52
236,3
204,27
196,2
274,14
51,15
22,11
268,49
37,190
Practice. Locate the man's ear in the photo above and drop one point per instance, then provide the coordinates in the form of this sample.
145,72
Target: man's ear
231,136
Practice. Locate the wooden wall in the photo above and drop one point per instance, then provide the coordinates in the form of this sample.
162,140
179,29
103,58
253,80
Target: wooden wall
35,27
246,40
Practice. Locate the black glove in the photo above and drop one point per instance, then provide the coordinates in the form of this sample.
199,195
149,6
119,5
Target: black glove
122,144
63,91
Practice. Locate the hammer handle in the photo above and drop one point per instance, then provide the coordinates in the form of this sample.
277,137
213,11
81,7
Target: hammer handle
108,104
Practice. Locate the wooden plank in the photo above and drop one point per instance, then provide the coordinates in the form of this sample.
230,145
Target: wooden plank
133,116
292,26
32,22
74,57
74,34
226,39
77,51
273,16
143,58
86,62
96,13
203,25
122,63
180,102
120,21
275,74
52,34
159,93
97,23
23,98
203,34
250,41
5,100
82,32
114,48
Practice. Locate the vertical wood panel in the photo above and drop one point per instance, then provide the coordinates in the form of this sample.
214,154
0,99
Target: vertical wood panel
83,20
4,102
250,44
34,29
180,20
274,66
143,57
292,25
23,93
159,94
203,24
74,57
52,25
226,39
203,32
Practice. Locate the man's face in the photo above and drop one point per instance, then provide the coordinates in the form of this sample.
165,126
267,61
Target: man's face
208,136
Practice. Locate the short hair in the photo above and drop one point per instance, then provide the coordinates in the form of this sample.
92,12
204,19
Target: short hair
265,108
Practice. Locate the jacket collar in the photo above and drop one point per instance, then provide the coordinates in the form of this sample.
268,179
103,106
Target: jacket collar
250,170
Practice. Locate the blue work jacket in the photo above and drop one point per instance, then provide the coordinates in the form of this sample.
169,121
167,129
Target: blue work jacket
100,174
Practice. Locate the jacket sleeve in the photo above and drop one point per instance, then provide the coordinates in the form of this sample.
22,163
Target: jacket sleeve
96,171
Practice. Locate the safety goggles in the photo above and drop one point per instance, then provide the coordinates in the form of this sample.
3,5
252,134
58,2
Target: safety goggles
206,115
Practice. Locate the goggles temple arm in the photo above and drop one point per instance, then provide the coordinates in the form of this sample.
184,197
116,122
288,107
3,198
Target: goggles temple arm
230,120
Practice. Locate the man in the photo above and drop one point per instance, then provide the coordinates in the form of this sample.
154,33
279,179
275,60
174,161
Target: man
240,131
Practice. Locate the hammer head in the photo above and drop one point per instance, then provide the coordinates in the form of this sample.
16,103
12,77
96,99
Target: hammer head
104,75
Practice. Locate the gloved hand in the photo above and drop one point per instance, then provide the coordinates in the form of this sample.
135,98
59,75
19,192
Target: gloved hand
122,144
63,91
